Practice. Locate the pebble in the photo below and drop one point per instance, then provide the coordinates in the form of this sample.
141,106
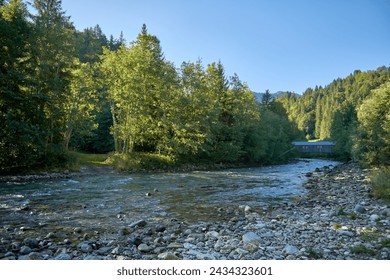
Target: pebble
85,247
359,209
32,243
144,248
77,230
374,217
175,246
167,256
63,257
291,250
161,228
51,235
251,237
25,250
139,223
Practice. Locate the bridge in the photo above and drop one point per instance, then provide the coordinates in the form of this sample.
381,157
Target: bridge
319,147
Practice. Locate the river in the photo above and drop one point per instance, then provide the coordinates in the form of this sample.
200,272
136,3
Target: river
106,202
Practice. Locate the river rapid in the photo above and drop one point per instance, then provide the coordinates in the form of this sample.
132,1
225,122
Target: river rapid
108,201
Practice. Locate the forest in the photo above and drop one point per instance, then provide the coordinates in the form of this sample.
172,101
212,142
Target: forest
63,91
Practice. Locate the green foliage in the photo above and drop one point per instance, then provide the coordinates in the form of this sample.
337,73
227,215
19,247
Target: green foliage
141,161
373,137
197,113
48,98
20,141
63,89
363,250
331,112
141,88
380,180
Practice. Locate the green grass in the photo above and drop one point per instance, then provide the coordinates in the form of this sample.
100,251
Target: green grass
313,254
92,159
363,250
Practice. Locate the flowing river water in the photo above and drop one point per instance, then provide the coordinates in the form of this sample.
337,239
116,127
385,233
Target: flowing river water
108,201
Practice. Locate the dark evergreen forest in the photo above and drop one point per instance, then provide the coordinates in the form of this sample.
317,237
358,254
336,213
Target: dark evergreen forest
64,91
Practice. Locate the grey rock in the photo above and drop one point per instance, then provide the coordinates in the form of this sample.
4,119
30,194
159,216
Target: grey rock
359,209
144,248
267,235
175,245
161,228
241,251
167,256
9,254
67,241
15,246
139,223
116,251
205,256
25,250
35,256
213,235
92,257
251,237
135,241
345,233
374,217
63,256
290,250
51,235
77,230
189,246
32,243
386,212
85,247
104,250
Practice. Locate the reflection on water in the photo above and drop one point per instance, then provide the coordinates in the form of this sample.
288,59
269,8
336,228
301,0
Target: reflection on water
108,201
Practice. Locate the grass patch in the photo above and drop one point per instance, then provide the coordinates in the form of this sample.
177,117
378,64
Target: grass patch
363,250
342,212
92,159
385,243
337,226
380,180
313,254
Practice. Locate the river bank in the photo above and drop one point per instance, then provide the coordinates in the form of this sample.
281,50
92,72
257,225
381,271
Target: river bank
337,218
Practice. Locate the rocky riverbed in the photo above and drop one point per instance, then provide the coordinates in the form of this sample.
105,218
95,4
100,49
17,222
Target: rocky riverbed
337,218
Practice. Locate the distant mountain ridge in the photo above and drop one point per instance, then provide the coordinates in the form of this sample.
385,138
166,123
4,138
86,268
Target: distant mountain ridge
259,95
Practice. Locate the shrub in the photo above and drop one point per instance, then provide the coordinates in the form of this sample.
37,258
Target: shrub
380,180
141,161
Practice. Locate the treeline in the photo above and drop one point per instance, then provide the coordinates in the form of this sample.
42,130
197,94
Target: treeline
64,90
354,112
44,74
187,114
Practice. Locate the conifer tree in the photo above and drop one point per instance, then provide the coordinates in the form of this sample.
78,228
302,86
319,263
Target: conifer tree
53,51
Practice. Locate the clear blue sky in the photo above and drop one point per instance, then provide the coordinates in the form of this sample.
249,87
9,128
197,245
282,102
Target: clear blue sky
270,44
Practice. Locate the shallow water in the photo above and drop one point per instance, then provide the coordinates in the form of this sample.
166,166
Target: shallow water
108,201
